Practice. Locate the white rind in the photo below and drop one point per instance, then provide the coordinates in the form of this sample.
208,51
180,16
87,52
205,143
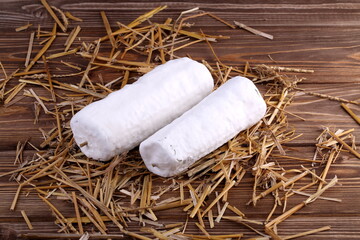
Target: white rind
233,107
126,117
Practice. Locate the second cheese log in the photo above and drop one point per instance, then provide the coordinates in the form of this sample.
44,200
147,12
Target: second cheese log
233,107
126,117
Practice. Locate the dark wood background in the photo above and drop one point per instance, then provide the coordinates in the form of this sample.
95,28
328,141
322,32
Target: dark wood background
322,35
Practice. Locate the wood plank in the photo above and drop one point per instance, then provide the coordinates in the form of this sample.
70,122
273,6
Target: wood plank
335,51
293,13
317,112
321,35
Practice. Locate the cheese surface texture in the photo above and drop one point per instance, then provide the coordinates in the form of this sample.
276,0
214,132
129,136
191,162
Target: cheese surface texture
233,107
126,117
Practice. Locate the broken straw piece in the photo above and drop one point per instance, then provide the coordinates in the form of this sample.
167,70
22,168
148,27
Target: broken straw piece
233,107
126,117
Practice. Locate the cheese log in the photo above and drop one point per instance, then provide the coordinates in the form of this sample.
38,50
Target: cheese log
233,107
126,117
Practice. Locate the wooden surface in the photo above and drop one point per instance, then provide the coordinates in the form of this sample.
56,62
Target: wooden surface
322,35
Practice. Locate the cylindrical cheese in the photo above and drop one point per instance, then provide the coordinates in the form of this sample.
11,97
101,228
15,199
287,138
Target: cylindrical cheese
233,107
126,117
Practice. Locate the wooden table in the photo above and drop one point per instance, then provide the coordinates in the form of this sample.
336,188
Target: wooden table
321,35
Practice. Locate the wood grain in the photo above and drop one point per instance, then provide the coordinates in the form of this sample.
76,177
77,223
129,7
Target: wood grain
322,35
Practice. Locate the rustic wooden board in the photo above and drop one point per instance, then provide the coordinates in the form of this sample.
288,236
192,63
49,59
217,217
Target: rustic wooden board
320,35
